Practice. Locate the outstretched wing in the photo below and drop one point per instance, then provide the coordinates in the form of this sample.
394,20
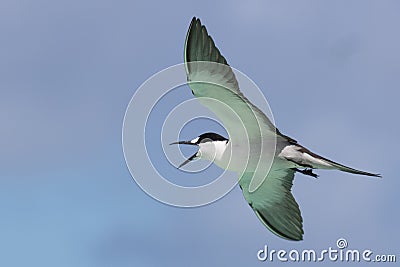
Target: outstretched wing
210,77
274,204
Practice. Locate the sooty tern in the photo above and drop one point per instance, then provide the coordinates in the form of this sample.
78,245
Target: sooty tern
272,200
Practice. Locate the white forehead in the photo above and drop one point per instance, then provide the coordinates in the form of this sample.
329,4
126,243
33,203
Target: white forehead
195,140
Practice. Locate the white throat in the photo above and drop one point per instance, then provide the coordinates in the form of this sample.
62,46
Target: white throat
213,151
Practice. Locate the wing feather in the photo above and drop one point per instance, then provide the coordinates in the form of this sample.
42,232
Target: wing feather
274,204
210,76
218,81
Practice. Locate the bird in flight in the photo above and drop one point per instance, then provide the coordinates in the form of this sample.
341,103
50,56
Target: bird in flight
265,159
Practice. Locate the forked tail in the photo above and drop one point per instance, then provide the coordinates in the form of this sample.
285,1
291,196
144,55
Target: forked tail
335,164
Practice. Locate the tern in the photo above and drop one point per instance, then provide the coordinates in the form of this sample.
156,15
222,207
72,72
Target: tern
253,139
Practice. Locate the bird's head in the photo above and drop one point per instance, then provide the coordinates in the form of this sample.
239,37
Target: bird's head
211,145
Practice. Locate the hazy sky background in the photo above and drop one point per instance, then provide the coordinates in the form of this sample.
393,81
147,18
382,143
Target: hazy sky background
329,69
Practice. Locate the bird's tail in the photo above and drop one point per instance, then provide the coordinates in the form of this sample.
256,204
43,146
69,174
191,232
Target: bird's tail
348,169
335,165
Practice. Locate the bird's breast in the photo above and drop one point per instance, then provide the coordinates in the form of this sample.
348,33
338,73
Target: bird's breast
239,157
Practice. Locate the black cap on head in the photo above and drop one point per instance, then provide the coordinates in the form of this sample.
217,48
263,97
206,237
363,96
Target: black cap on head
210,136
205,137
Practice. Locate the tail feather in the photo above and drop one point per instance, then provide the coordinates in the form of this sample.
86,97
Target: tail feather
337,165
350,170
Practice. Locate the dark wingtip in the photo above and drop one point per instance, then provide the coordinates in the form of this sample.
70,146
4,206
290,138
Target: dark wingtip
276,231
194,21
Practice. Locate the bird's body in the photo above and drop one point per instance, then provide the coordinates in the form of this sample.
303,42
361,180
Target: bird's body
265,159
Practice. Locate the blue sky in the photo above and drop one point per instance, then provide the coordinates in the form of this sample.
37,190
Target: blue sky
329,69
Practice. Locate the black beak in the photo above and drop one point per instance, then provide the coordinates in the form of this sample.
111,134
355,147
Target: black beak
189,159
183,143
